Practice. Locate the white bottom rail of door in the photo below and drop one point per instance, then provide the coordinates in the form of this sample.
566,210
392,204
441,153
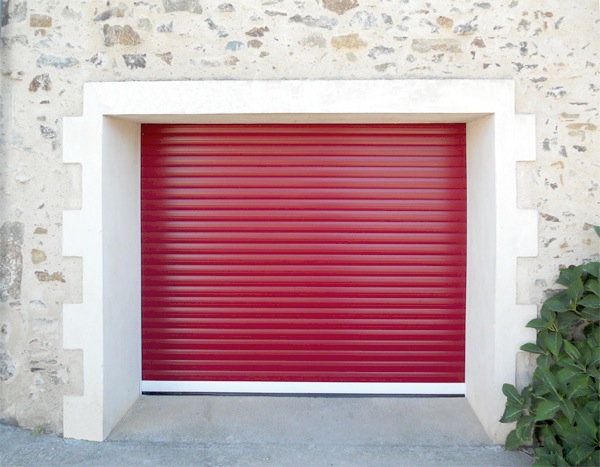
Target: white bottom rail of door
276,387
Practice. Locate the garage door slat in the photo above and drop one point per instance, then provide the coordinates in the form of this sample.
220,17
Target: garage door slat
154,183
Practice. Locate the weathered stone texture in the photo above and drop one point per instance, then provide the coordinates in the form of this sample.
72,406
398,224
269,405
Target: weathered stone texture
193,6
7,366
340,6
118,11
45,276
37,256
439,45
320,22
11,260
349,41
56,62
13,10
40,21
167,57
51,48
135,60
124,35
313,40
42,82
380,50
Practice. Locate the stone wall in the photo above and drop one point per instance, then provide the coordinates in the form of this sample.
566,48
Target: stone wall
50,48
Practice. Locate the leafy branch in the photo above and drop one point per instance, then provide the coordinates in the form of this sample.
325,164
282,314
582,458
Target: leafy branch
559,411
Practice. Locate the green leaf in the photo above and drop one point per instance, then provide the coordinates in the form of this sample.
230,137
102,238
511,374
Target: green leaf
546,410
591,314
524,428
548,379
566,374
541,391
566,321
541,340
532,348
572,436
527,397
512,441
594,371
547,314
578,386
549,439
512,412
568,408
586,423
568,275
594,334
593,269
544,457
512,394
593,406
557,304
597,229
544,362
595,359
571,350
568,362
580,453
592,285
553,342
590,300
575,290
560,461
538,324
586,354
562,424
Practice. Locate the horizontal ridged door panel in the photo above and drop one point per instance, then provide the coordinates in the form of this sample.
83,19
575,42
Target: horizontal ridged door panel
304,253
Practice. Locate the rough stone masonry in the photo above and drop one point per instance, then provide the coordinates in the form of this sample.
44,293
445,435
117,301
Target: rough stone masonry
50,48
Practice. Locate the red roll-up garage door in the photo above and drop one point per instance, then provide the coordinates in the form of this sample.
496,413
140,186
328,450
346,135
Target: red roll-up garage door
304,253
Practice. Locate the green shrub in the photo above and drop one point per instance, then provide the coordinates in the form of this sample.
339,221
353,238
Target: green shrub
559,412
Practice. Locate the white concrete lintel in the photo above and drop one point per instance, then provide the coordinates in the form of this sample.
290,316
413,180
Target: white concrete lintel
364,97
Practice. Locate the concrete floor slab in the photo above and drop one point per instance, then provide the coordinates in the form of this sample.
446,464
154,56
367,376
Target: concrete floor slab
302,420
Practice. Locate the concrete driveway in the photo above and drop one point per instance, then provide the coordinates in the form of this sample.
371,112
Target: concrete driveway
276,431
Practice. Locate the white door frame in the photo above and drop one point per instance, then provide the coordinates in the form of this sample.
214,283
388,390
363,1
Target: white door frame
105,140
